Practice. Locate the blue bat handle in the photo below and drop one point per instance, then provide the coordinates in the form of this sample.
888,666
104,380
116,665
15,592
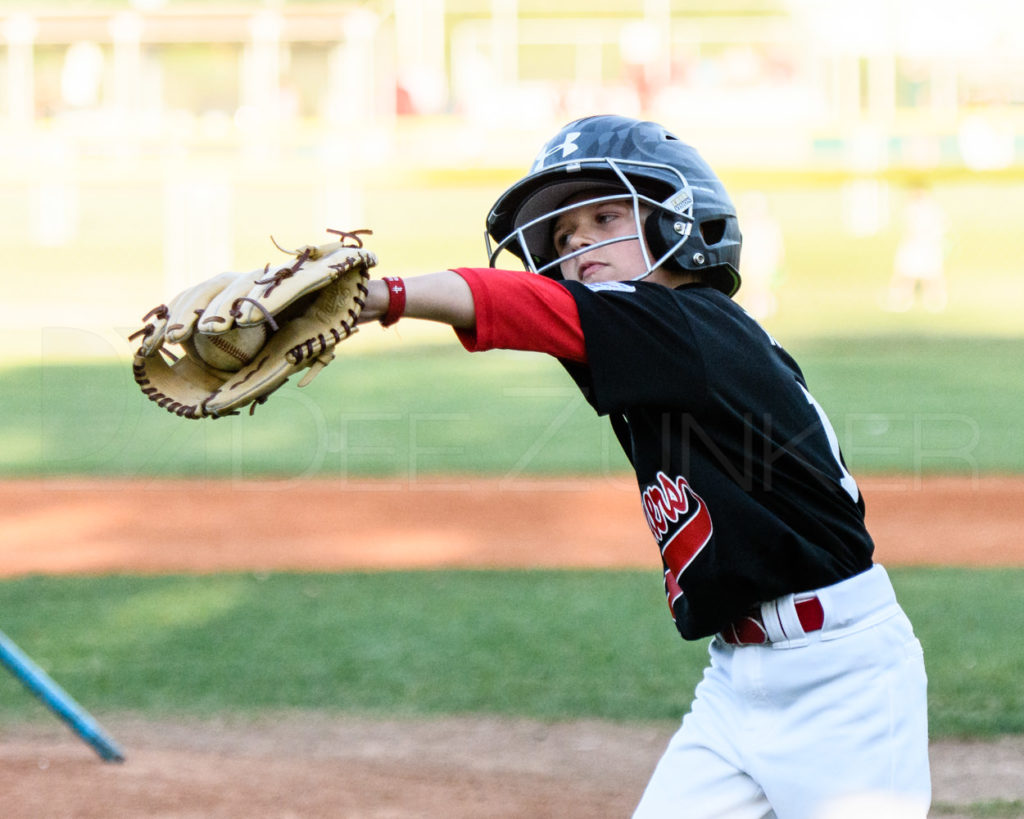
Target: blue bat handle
58,700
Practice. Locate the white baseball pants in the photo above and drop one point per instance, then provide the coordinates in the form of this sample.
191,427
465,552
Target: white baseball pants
822,725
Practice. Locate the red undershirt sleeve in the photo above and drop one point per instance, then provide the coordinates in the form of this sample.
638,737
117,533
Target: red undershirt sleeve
545,318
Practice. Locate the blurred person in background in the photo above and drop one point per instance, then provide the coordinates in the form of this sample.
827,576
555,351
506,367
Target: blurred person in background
919,263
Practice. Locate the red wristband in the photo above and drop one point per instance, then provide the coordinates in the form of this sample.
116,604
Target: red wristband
396,301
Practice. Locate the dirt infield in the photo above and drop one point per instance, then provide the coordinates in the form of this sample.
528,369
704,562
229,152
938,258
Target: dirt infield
304,765
315,765
61,526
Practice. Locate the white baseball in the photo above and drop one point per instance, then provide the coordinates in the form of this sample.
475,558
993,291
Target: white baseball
232,350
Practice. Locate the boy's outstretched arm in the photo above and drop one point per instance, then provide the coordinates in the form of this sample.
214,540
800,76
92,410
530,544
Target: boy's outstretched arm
443,297
490,309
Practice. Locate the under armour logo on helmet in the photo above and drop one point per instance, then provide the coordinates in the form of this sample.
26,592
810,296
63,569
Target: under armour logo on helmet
567,146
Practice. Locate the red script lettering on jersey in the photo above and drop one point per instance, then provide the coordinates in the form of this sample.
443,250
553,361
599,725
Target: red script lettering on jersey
678,519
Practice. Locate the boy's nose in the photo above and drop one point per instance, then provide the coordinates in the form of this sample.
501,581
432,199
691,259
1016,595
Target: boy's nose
580,238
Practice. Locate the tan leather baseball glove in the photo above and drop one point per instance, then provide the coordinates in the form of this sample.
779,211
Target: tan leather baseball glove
242,335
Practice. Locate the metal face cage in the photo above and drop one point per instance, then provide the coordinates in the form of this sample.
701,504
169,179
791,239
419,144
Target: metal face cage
531,241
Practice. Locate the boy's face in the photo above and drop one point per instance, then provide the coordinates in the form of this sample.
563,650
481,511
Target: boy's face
590,224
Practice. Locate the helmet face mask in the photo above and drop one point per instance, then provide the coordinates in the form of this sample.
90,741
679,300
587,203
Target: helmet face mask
691,224
608,180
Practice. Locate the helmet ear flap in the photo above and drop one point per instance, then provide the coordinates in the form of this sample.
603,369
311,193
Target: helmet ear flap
717,269
661,235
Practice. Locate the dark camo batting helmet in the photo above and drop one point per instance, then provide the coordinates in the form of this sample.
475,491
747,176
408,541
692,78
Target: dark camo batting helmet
692,225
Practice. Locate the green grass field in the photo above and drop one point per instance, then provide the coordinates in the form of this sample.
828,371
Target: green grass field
903,404
541,644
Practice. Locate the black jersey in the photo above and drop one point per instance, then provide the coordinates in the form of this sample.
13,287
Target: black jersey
741,478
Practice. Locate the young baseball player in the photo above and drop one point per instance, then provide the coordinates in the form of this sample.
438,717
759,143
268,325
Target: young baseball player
815,695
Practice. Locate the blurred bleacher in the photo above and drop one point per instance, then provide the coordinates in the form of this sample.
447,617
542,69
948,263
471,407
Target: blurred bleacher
148,142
